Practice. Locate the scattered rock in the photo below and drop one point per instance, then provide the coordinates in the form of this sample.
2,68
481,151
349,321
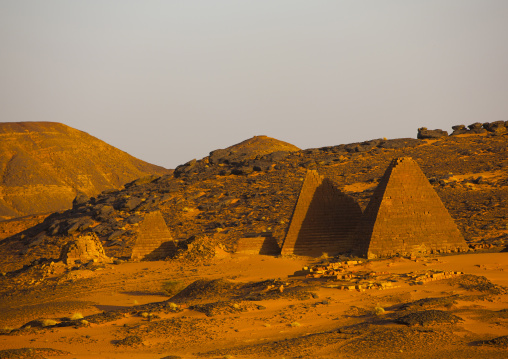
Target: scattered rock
479,283
501,342
428,317
31,353
131,341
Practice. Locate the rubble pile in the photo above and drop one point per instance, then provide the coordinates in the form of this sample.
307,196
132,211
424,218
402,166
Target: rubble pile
430,276
348,278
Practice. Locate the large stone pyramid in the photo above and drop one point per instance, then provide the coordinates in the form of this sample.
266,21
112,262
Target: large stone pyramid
154,240
406,216
323,221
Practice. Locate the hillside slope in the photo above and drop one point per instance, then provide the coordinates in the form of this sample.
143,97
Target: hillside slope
216,201
44,164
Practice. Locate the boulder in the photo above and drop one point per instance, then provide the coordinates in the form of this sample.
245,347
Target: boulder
104,210
277,156
261,165
130,203
116,234
79,225
496,126
475,126
134,219
459,130
218,156
189,167
424,133
80,199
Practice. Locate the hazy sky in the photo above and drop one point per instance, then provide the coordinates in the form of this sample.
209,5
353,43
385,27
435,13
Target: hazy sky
168,81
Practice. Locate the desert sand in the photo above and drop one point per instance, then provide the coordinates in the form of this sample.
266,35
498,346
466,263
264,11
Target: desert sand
329,324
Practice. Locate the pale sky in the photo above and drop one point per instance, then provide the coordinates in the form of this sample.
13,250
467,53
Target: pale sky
169,81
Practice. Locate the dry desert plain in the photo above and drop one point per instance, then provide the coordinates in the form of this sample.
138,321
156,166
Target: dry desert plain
251,306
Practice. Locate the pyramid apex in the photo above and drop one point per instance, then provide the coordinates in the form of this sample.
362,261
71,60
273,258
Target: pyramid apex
403,159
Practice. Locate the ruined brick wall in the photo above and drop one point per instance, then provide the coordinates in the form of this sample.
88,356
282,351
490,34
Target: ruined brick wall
324,220
154,240
83,249
258,245
406,216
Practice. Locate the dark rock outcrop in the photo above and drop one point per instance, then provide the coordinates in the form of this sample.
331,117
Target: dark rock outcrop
424,133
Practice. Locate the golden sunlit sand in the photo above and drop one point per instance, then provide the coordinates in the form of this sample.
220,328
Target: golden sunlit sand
341,318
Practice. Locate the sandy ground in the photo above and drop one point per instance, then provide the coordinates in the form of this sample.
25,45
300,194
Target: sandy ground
328,325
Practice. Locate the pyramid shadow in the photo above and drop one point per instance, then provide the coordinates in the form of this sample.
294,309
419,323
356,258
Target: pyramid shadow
164,250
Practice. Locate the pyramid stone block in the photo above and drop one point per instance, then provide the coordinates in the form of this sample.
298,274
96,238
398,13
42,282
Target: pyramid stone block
406,216
324,220
154,240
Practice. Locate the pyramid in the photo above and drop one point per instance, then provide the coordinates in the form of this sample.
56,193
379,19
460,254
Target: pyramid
83,249
323,221
154,240
406,216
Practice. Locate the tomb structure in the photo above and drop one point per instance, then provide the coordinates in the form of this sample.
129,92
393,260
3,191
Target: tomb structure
154,240
324,220
84,249
405,216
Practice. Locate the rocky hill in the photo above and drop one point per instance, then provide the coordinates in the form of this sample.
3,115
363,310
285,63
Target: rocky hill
230,194
44,164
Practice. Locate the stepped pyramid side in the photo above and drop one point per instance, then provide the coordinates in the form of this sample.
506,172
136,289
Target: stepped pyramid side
154,240
406,216
323,221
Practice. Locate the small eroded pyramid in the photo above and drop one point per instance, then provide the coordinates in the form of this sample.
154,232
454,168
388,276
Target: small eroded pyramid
323,221
83,249
406,216
154,240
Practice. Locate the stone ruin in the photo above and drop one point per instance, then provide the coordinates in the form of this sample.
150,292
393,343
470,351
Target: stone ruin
84,249
154,240
263,244
323,221
406,216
